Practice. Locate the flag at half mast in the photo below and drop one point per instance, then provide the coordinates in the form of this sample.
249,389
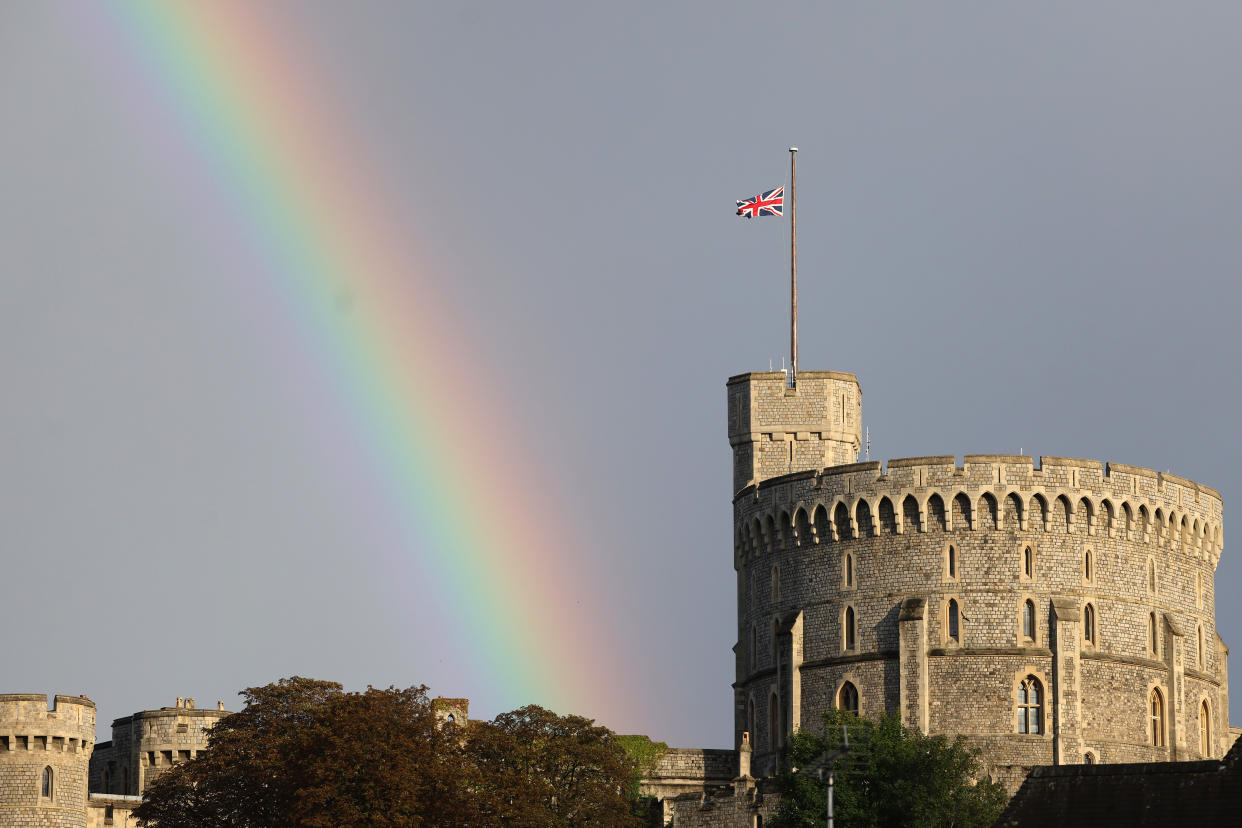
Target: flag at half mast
771,203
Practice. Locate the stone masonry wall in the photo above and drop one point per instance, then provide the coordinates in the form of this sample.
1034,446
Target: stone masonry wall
146,744
34,738
1126,548
775,430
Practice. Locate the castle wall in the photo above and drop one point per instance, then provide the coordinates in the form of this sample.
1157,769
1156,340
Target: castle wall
812,543
148,743
34,739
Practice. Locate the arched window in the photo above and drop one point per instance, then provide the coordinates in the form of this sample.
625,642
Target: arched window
1088,625
1205,730
1028,562
847,698
848,569
1152,635
1030,706
48,786
849,632
774,733
1157,718
951,562
1199,635
1088,758
1028,619
1086,565
952,621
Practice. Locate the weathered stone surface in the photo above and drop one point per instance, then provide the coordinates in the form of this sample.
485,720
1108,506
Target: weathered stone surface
848,539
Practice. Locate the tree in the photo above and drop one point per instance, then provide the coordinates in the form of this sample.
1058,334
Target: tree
304,754
534,769
892,777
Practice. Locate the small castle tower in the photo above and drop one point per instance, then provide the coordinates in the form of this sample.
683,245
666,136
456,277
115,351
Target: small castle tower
45,753
776,430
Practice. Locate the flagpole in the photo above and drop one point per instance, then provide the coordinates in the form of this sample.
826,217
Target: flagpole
793,265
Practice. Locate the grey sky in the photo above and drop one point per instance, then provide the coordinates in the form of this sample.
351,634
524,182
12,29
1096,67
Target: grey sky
1019,226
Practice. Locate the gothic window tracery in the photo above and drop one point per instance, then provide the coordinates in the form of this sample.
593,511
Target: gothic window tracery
1030,706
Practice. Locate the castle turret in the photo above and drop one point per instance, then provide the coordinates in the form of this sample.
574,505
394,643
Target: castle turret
776,430
44,755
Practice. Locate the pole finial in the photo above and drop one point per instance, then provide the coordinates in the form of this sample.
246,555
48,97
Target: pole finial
793,149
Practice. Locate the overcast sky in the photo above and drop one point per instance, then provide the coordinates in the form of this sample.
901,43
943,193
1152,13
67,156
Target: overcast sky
1019,226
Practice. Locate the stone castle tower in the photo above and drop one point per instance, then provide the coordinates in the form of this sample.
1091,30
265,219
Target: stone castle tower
1057,614
45,753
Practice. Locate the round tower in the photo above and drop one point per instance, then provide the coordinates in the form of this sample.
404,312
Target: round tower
45,753
1058,613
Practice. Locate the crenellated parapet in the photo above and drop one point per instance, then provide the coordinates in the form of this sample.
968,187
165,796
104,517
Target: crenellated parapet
45,749
987,491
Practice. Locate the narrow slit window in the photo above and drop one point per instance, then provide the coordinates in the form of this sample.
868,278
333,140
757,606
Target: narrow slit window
849,628
954,634
48,786
1028,619
1157,718
1088,624
952,562
1086,564
1205,730
1028,562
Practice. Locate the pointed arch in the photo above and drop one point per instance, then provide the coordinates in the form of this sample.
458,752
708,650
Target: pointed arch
1062,514
1159,526
822,524
963,512
911,513
987,514
888,517
1205,729
1156,703
1086,514
804,531
1128,514
936,519
1014,515
784,531
769,533
1184,535
1039,511
841,519
864,519
1144,521
1109,515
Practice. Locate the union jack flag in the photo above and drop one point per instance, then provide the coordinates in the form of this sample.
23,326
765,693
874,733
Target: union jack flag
771,203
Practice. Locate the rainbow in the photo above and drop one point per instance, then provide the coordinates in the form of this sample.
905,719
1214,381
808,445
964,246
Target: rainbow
241,101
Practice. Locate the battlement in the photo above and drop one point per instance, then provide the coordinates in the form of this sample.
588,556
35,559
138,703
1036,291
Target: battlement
777,430
866,499
68,720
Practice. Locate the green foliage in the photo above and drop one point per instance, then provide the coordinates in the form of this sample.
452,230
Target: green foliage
893,777
645,754
533,768
305,754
